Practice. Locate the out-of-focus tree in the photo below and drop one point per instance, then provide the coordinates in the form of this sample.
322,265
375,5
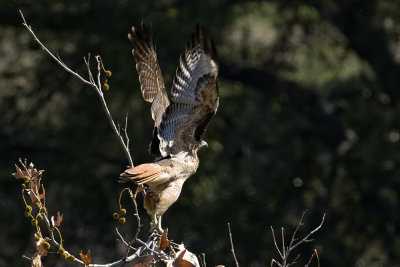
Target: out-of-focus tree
307,120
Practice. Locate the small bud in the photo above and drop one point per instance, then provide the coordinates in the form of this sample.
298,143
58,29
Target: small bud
28,208
39,217
106,87
43,210
26,179
108,73
37,204
46,245
122,220
34,222
104,80
116,216
122,211
27,214
23,186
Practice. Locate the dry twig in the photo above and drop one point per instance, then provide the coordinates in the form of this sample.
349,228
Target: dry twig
232,248
284,253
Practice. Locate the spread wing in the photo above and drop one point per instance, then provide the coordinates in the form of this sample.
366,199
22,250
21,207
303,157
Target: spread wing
150,77
194,96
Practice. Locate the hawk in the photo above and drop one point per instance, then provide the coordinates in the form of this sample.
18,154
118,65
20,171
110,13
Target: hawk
179,124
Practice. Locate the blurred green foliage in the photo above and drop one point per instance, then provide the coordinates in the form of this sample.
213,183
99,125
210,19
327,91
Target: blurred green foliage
308,119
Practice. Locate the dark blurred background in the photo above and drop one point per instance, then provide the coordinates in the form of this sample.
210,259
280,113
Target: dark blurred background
308,120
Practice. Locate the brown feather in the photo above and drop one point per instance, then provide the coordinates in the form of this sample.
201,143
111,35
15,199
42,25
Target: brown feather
150,77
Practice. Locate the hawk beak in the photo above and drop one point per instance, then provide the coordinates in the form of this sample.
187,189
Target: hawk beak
203,143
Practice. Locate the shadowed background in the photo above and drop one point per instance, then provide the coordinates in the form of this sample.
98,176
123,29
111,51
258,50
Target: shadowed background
308,119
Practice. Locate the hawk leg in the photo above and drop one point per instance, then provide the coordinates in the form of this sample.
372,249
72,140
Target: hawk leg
155,224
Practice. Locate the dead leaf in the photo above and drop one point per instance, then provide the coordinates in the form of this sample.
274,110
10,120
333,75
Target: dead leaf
59,219
87,259
187,262
164,242
36,260
19,174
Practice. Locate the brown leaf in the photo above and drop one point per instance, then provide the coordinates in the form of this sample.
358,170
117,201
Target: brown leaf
43,194
19,174
180,262
164,242
36,260
87,259
59,219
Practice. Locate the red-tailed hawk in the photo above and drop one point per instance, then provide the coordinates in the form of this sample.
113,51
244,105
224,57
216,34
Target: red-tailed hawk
179,125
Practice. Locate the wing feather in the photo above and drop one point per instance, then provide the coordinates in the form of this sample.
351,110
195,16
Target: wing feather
194,96
150,77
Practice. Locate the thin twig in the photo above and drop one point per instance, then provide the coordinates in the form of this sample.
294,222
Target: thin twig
121,238
293,239
286,250
56,59
277,263
315,253
305,239
276,245
232,248
136,214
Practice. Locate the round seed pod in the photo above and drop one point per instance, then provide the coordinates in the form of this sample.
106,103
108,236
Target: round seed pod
46,245
61,250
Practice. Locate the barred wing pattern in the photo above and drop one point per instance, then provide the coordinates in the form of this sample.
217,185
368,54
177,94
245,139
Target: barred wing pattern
150,77
194,97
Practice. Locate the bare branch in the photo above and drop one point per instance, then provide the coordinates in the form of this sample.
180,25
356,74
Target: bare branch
121,238
293,239
315,253
277,263
232,248
305,239
56,59
276,245
91,83
136,214
286,250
